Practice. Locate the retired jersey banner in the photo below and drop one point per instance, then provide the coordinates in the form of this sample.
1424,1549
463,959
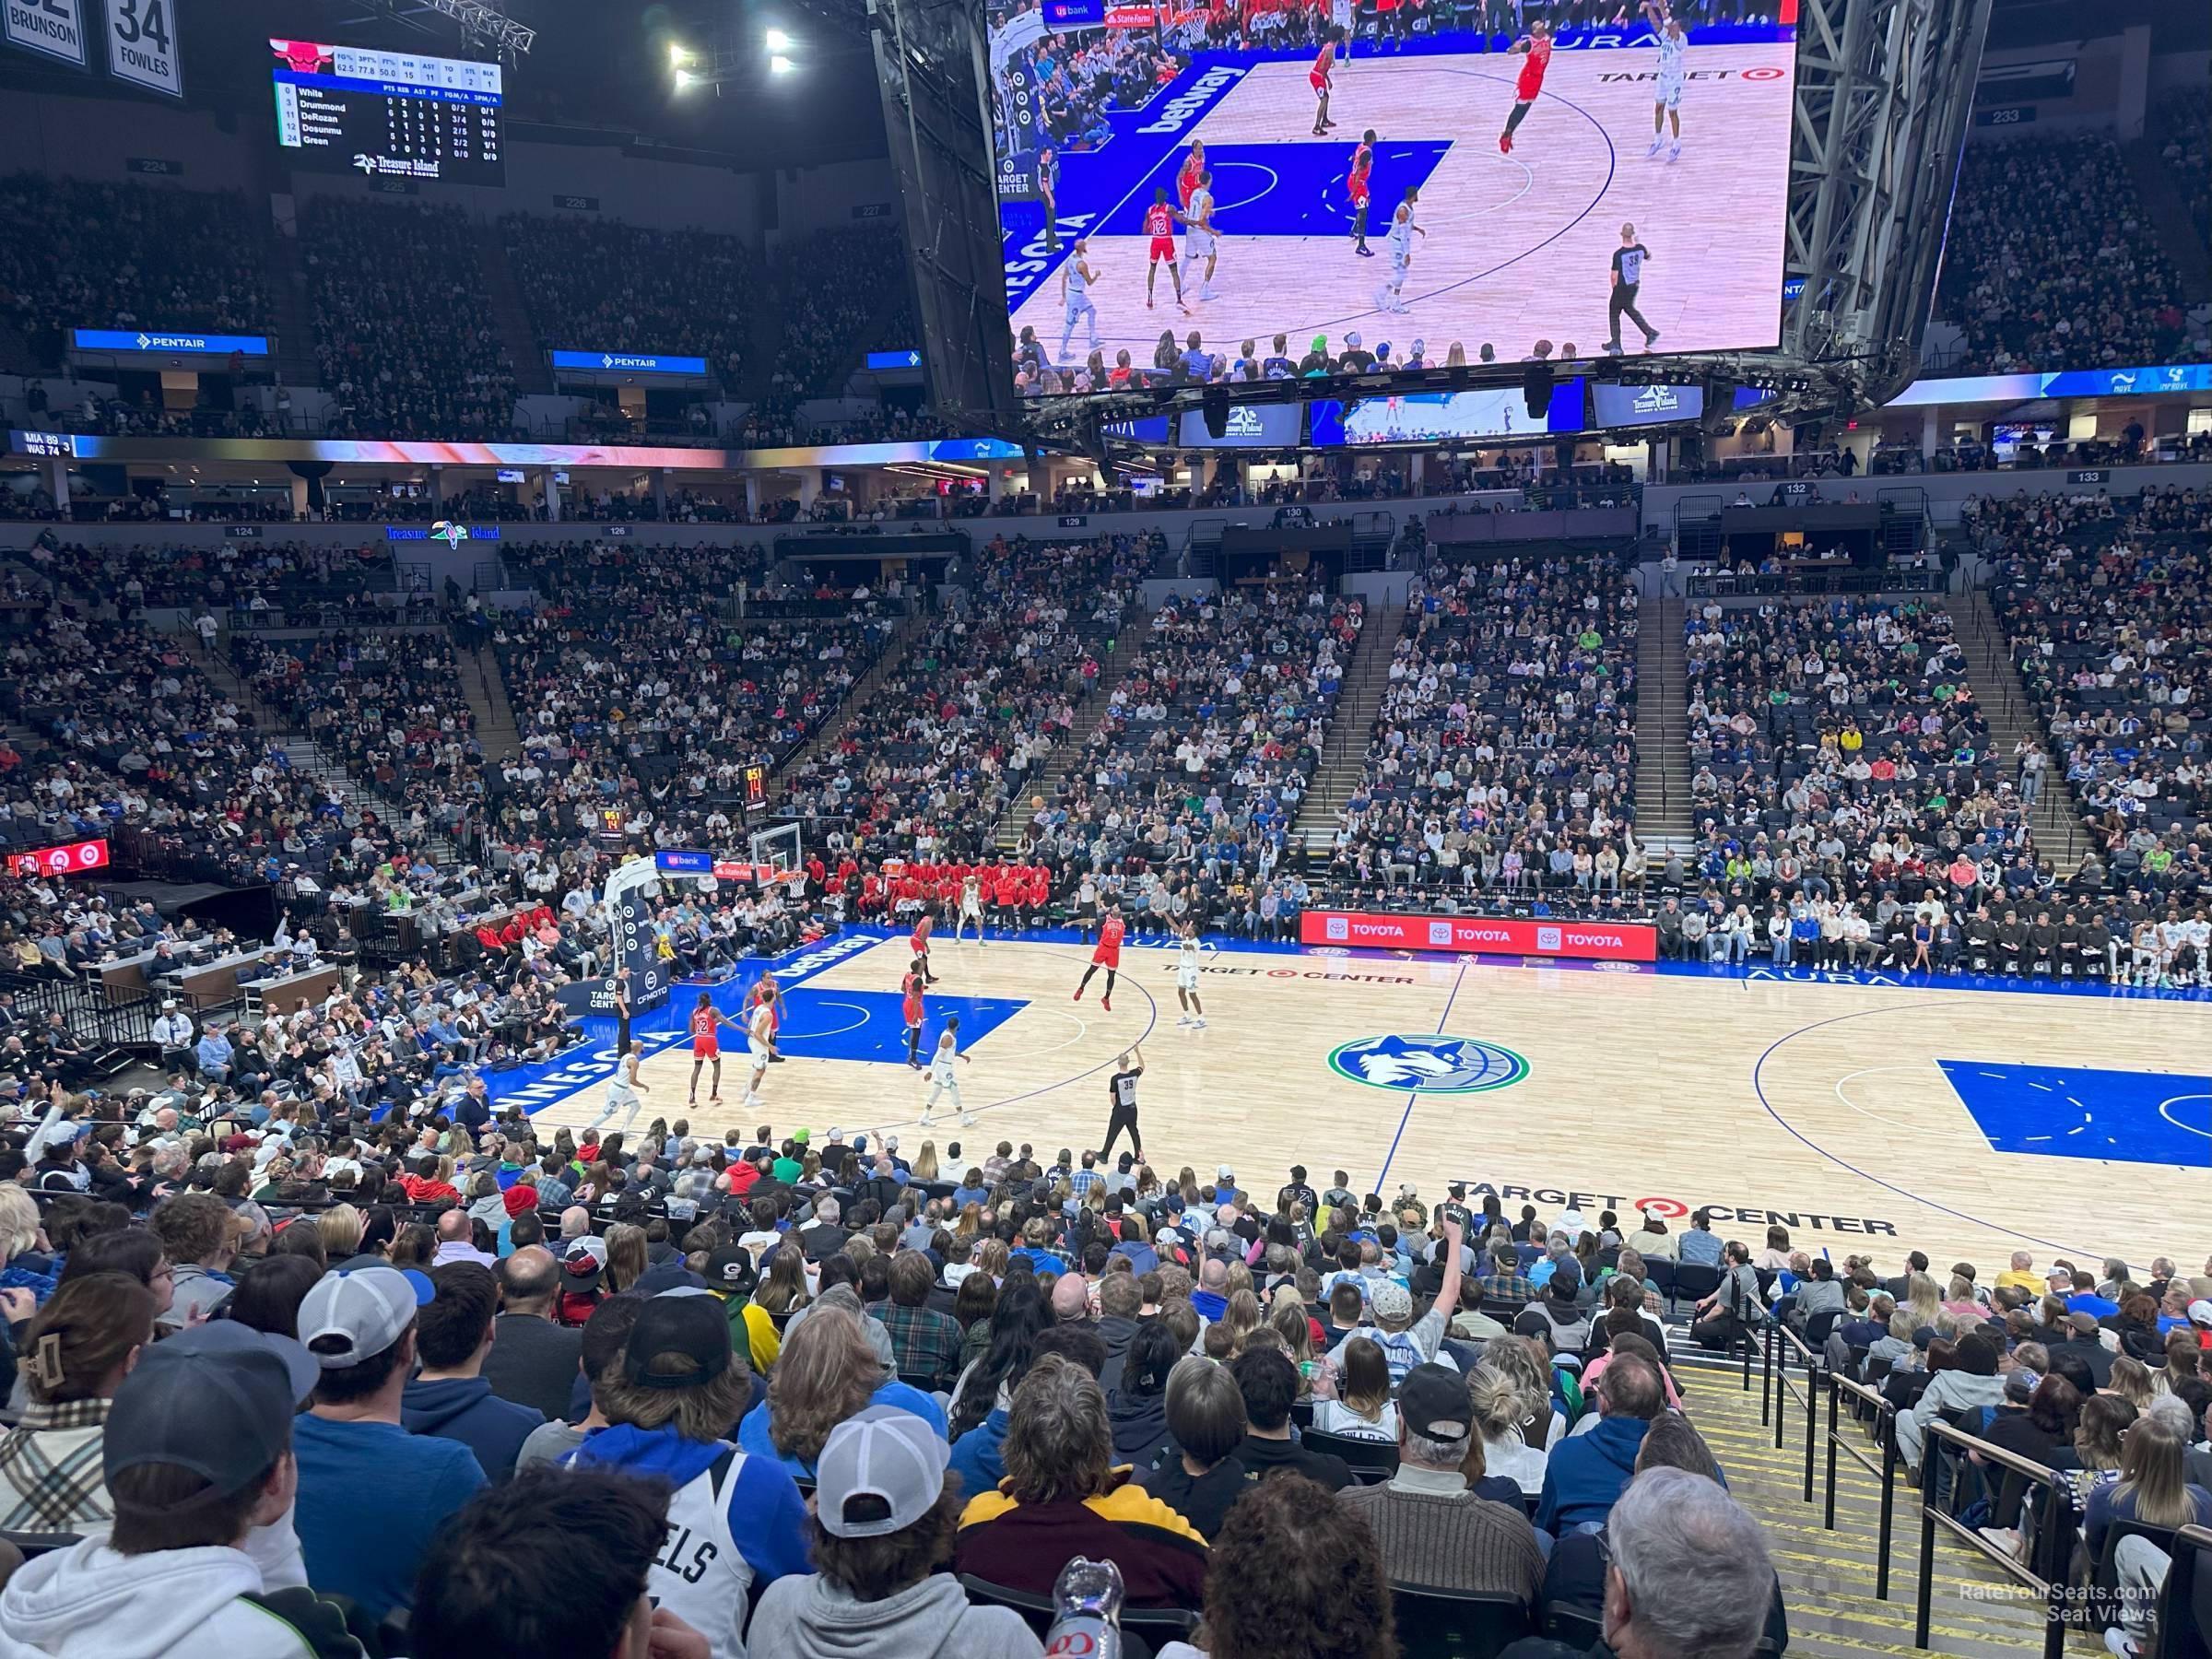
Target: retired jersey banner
1595,941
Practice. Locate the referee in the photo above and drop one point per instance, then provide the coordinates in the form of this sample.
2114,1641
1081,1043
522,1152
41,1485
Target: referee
621,990
1627,277
1121,1089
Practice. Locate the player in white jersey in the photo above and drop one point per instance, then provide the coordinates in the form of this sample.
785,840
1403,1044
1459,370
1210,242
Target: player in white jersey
623,1090
1198,238
1674,70
1186,978
1390,297
761,1039
1075,277
971,908
942,1079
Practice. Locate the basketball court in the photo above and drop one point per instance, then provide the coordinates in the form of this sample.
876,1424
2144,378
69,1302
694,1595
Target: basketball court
1965,1122
1518,247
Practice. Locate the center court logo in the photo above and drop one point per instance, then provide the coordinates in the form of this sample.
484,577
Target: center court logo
1428,1063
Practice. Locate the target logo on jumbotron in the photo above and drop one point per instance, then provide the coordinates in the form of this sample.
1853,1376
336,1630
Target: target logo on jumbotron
74,859
1764,73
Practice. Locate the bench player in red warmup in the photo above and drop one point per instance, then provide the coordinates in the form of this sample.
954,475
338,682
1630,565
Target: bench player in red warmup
707,1021
1537,45
1108,954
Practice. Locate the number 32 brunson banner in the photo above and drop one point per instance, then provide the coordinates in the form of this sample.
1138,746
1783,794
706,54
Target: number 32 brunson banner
1598,941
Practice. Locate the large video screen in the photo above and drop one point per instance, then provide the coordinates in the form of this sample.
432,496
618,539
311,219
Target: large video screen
1446,417
388,114
1230,192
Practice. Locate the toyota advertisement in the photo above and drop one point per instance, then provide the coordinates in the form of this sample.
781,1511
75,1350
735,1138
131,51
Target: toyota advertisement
1591,941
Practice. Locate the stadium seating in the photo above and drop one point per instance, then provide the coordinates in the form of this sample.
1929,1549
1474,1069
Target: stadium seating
979,700
404,340
2048,264
832,284
81,255
1506,733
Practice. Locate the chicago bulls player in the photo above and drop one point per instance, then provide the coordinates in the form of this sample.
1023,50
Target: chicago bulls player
1318,78
1159,225
707,1021
1193,171
920,944
1536,45
1354,185
1108,954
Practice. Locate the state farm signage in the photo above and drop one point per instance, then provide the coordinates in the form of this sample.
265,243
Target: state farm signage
1598,941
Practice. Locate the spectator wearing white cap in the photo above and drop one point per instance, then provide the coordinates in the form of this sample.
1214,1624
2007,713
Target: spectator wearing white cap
370,1494
884,1515
197,1454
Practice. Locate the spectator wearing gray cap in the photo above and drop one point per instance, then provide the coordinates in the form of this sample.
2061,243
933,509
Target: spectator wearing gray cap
370,1494
197,1454
884,1514
1435,1530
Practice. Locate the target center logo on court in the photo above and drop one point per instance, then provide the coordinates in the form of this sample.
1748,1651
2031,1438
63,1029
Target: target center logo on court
1428,1063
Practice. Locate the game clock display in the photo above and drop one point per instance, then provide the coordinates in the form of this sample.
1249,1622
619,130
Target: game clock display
389,115
1173,183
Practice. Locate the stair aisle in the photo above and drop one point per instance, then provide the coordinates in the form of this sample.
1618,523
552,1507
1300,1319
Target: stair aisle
1345,752
1663,816
894,654
1128,640
487,691
533,375
2056,820
1828,1578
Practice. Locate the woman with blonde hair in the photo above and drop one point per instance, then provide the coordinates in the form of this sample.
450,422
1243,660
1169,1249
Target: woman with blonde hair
785,1290
1510,1391
1352,1395
827,1372
626,1257
925,1162
1241,1314
340,1227
1922,1302
2131,1380
1287,1318
2152,1490
970,1221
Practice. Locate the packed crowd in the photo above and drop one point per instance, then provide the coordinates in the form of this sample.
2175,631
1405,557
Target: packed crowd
2106,611
2048,264
622,576
834,283
1845,791
592,285
1042,367
253,577
81,255
1181,799
404,337
1503,755
933,760
2187,153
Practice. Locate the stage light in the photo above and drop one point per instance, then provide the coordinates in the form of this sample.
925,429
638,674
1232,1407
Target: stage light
780,64
776,41
677,55
684,80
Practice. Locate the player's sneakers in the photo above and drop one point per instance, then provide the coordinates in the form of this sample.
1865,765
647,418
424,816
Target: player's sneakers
927,1122
1364,251
1505,143
1657,142
1106,1003
1078,995
1199,1023
1208,293
1184,1020
1650,340
1612,347
967,1120
1675,151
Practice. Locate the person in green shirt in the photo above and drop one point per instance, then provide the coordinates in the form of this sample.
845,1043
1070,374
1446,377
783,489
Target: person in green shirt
787,1167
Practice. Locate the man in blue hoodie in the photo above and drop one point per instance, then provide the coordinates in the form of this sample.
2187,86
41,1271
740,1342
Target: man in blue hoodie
449,1396
1586,1472
736,1522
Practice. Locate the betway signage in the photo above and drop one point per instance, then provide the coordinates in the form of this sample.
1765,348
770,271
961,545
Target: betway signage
1594,941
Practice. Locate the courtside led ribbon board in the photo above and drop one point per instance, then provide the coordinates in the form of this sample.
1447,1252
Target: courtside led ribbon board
1593,941
77,858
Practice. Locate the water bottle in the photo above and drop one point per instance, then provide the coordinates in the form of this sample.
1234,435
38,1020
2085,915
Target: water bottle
1086,1612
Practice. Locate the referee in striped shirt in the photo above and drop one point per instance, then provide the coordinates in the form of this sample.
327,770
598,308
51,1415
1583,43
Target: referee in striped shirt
1627,277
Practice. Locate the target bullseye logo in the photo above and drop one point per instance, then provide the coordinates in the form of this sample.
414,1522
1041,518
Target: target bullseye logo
1764,73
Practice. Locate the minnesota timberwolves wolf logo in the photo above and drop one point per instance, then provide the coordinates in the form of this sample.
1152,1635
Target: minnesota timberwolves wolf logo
1429,1065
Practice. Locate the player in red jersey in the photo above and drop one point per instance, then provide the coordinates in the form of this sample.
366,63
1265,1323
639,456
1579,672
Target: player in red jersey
1318,78
707,1021
1193,171
920,947
1159,225
1107,955
910,993
1537,45
1354,185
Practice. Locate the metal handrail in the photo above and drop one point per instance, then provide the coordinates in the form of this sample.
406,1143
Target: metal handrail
1808,1397
1885,1471
2053,1589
